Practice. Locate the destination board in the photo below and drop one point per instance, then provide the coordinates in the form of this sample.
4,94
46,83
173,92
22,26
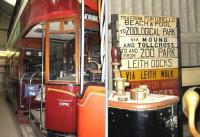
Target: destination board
149,50
149,42
150,74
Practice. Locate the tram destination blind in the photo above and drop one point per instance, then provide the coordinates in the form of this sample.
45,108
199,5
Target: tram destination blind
149,51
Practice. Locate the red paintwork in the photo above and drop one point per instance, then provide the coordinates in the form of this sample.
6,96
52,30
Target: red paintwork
61,118
40,10
57,118
31,43
92,4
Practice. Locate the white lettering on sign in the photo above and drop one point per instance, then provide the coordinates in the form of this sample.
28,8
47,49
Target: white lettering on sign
91,17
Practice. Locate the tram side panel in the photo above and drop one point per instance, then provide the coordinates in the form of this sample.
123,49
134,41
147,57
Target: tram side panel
61,108
91,112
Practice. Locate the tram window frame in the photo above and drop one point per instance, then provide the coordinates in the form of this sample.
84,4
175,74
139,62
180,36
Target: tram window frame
76,57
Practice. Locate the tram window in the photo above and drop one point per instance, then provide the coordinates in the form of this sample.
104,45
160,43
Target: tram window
93,66
32,61
68,25
54,26
62,57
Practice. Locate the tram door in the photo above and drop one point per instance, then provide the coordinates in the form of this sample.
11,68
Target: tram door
62,75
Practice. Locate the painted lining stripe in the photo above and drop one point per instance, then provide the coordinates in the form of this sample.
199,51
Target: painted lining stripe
86,100
62,91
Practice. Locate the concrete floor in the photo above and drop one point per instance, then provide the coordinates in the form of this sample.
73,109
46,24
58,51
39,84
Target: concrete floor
27,131
8,125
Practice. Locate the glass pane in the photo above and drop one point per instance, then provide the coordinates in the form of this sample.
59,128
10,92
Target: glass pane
32,62
68,25
62,57
54,26
93,68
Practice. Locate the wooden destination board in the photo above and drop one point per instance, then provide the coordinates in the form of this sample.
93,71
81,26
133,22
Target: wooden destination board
149,50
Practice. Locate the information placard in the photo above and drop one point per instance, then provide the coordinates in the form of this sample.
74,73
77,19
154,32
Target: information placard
149,50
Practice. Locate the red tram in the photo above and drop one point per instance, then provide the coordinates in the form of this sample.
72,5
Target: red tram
47,35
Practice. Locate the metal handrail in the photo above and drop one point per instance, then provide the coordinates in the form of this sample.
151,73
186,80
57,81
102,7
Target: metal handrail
29,98
82,43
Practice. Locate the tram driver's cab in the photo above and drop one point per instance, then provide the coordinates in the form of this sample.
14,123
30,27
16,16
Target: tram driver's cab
63,53
62,69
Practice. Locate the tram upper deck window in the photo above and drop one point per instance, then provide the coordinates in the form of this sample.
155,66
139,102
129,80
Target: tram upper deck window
68,25
54,26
